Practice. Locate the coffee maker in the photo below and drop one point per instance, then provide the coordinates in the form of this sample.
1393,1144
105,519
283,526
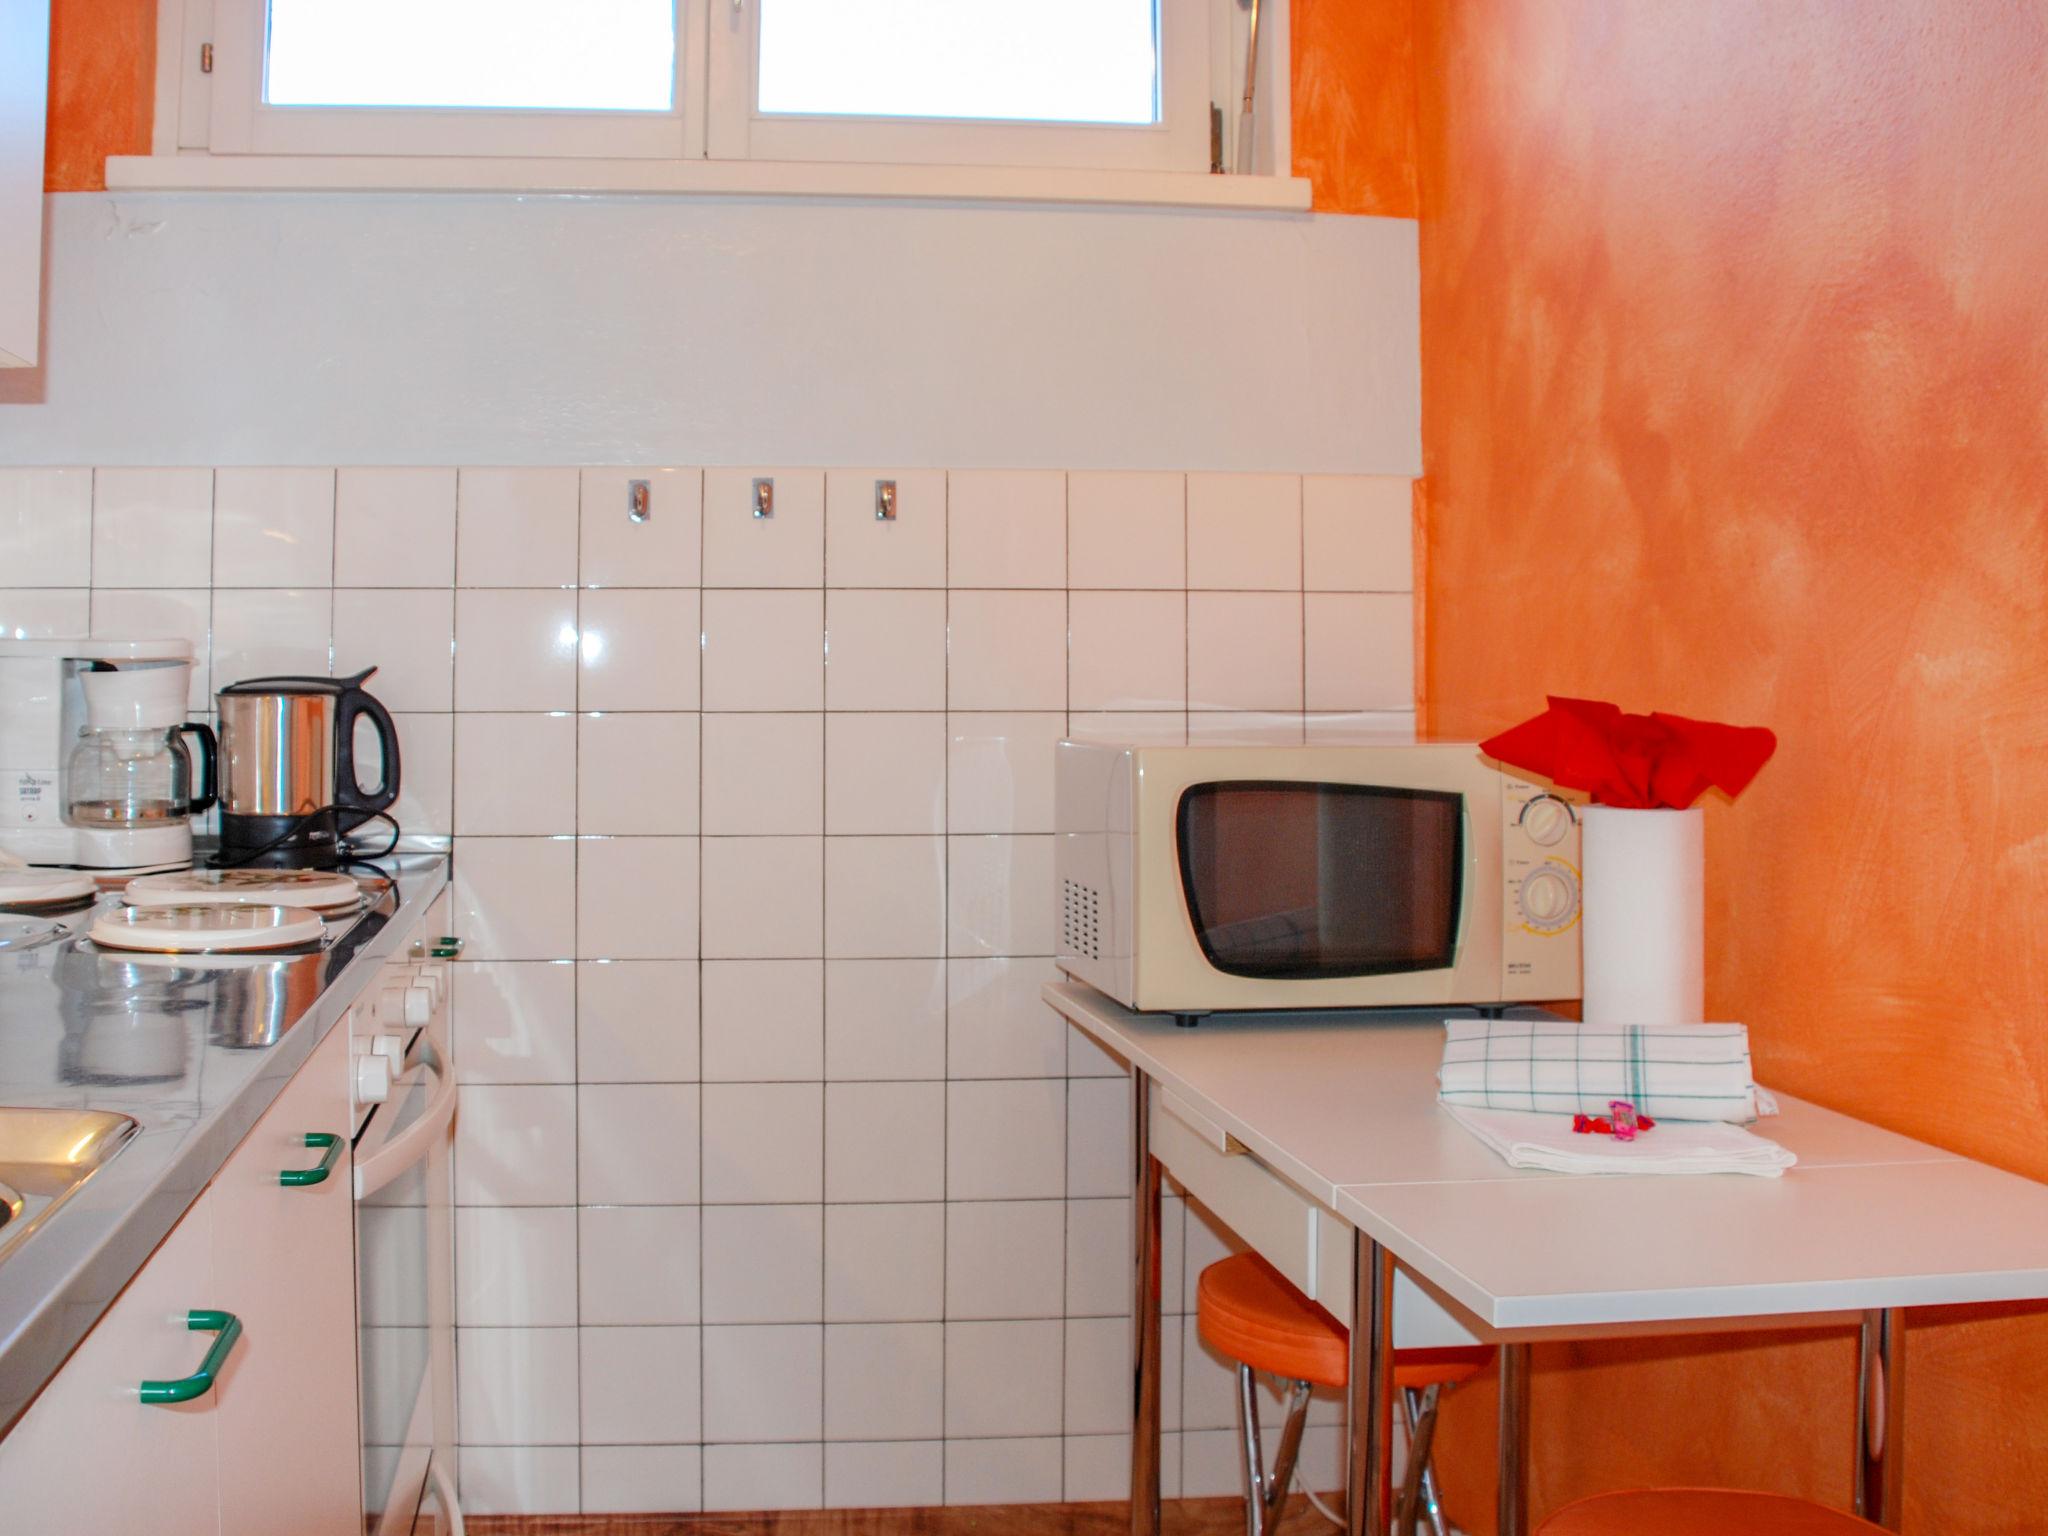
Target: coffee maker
94,771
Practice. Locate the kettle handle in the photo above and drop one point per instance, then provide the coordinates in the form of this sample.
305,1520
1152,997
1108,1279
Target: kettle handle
209,765
349,793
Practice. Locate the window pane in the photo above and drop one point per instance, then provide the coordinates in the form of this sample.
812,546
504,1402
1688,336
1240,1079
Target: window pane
600,55
1061,61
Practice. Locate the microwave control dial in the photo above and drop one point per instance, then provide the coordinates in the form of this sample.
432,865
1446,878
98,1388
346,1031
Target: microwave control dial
1549,898
1547,819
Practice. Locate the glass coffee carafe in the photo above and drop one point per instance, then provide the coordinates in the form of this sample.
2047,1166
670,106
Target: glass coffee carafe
129,767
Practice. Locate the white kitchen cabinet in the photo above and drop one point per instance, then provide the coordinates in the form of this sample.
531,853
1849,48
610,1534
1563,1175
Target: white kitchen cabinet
284,1262
89,1455
24,97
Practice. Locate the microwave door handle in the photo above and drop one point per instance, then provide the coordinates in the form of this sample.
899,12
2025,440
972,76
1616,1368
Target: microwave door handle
416,1140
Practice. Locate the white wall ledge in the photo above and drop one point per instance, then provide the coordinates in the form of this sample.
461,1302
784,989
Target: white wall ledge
704,178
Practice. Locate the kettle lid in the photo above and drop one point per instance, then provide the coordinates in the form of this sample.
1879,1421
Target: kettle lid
263,685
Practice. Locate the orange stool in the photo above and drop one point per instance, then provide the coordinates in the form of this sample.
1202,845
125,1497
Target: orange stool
1700,1512
1246,1309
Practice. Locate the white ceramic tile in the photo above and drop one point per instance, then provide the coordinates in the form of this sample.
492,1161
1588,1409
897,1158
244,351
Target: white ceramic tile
1006,528
764,1021
863,550
763,897
1098,1376
1007,651
515,1021
517,1385
1099,1260
640,1385
515,775
263,633
764,1383
1244,532
636,898
1208,1394
764,1143
515,1266
884,1381
884,1263
152,527
1087,1057
663,550
1361,650
764,775
764,650
518,1479
1357,533
407,635
637,773
46,527
999,895
763,1477
642,1479
1006,1140
639,650
394,527
515,528
1209,1464
42,613
1128,650
996,1023
884,897
1244,728
1205,1240
515,650
1131,727
138,613
1003,1471
885,1020
273,527
1005,1259
764,1263
1000,770
885,649
885,773
638,1264
515,898
1098,1136
786,549
1098,1468
515,1145
885,1142
1003,1379
426,784
636,1021
1355,727
887,1474
1126,529
636,1143
1244,650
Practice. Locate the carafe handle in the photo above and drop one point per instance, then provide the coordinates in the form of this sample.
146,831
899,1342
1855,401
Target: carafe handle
209,766
349,793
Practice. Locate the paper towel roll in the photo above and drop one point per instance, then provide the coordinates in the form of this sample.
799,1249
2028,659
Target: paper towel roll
1643,928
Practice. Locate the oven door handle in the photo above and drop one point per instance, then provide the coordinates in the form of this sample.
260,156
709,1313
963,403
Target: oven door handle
413,1143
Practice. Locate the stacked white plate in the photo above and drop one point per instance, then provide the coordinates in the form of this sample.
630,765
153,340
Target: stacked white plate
31,889
317,890
188,930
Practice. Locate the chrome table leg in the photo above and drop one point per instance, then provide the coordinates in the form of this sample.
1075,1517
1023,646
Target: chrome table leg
1881,1418
1144,1315
1370,1389
1512,1518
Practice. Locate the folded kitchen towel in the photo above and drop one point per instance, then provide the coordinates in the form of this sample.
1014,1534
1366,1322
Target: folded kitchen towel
1668,1071
1523,1139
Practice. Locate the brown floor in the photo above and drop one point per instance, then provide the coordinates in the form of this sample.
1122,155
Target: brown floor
1180,1517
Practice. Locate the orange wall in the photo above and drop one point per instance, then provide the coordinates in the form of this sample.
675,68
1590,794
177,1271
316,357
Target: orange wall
102,88
1735,403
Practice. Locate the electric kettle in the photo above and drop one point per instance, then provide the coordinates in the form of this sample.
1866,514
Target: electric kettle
289,788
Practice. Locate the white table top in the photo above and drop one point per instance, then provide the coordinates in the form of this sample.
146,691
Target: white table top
1344,1106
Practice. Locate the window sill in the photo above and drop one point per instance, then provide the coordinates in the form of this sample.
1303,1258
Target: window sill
703,178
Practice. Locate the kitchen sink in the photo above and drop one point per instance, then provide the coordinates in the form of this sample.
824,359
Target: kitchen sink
45,1154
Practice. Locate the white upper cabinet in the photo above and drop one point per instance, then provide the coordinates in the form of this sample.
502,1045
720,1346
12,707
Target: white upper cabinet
24,98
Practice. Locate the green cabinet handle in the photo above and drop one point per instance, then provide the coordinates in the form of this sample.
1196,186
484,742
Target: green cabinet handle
447,947
298,1178
228,1329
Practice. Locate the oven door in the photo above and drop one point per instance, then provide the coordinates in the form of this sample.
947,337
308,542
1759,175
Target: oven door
406,1294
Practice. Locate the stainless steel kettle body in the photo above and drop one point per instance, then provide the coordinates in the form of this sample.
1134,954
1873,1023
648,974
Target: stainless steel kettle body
289,788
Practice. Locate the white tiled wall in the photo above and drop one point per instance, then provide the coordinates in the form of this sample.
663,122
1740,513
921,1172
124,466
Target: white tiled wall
778,1185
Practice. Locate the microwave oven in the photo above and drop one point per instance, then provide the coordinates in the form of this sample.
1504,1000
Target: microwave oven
1194,880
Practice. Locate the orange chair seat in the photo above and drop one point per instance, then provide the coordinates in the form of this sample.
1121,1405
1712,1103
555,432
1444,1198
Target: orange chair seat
1246,1309
1699,1512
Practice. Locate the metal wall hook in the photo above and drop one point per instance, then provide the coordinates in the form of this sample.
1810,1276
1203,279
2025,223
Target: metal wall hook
885,501
764,498
639,500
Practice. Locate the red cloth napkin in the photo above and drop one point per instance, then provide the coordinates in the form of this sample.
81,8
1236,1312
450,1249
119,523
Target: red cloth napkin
1639,762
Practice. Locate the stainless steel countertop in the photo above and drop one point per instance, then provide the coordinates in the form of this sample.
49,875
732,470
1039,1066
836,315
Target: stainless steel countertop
195,1052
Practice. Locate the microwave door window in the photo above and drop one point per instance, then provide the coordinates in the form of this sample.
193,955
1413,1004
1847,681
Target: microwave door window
1303,881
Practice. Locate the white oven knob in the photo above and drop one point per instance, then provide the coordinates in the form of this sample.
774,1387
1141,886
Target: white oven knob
1547,819
391,1047
1549,899
419,1006
373,1079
